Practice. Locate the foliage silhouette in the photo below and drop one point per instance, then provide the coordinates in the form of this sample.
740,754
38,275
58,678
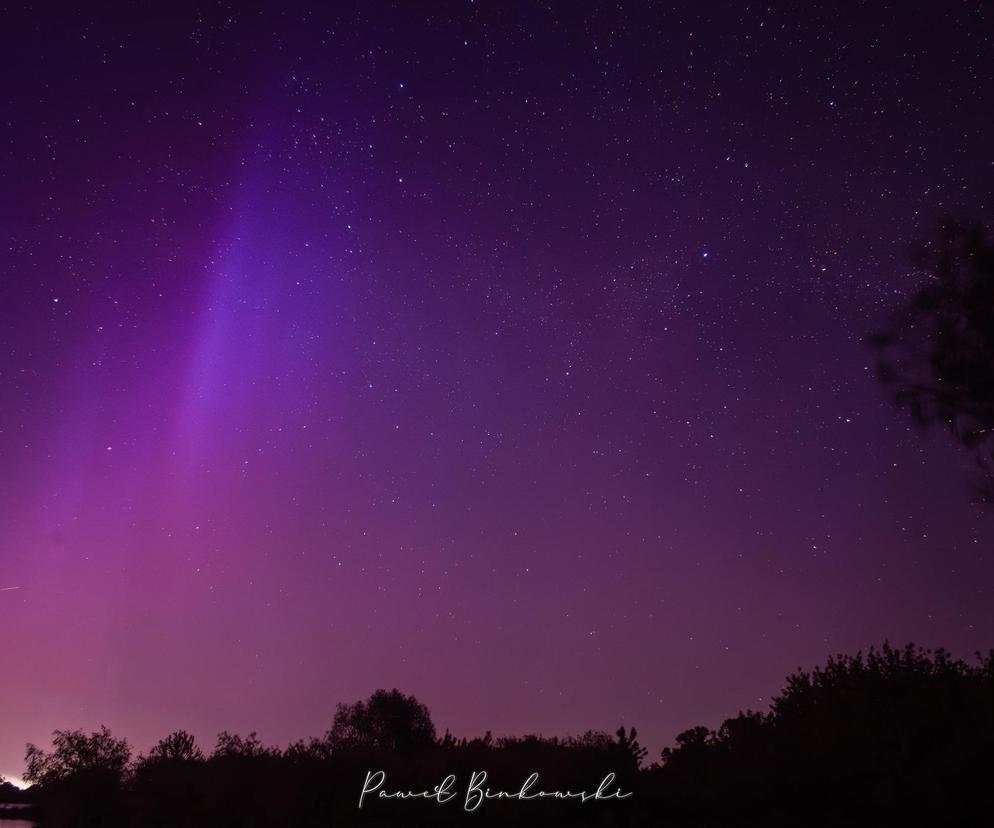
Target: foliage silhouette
177,747
233,746
937,356
81,778
893,736
387,720
75,753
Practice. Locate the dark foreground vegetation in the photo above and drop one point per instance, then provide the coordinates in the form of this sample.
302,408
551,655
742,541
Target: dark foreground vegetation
893,737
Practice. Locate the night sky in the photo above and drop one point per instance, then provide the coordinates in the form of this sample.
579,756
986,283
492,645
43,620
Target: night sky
509,354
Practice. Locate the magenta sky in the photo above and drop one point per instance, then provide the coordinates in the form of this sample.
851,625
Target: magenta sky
509,356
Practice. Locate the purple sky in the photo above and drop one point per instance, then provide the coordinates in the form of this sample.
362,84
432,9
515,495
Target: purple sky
512,356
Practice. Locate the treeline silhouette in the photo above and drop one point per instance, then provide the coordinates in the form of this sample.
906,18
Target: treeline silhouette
895,736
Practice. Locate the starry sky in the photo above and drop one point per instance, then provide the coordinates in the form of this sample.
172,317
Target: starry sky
511,354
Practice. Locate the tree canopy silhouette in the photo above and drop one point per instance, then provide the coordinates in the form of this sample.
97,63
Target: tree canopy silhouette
894,731
76,753
387,720
178,746
231,745
937,356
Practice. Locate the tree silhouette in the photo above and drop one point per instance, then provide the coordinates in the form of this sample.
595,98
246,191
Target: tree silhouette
894,731
629,745
937,357
76,753
231,745
178,746
80,780
387,720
